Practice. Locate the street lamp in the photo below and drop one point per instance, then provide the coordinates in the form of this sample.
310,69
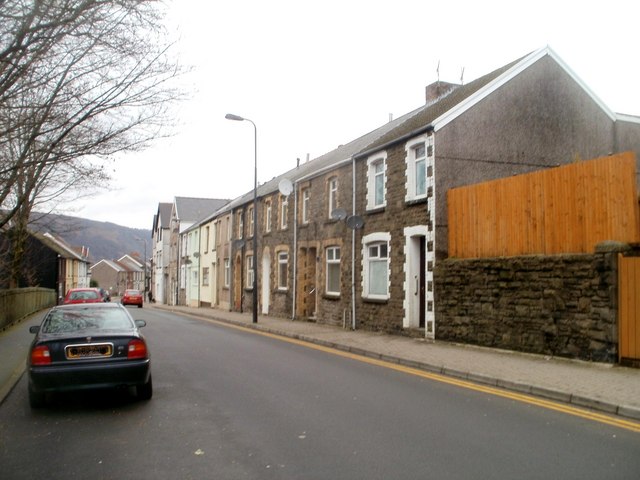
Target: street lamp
238,118
144,264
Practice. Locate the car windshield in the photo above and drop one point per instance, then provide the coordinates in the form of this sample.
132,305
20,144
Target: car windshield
132,293
84,295
67,321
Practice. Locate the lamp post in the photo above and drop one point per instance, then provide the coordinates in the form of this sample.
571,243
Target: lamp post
231,116
144,265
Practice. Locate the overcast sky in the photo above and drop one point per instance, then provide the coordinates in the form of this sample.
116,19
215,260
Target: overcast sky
314,75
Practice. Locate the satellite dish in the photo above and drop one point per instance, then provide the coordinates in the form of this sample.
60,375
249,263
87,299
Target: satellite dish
285,186
339,214
355,222
238,243
196,254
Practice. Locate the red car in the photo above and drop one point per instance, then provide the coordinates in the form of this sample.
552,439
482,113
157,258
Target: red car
83,295
132,297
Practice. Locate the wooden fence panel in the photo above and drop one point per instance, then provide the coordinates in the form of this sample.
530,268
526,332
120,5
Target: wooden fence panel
629,309
568,209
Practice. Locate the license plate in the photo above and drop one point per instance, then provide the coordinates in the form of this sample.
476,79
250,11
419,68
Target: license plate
89,350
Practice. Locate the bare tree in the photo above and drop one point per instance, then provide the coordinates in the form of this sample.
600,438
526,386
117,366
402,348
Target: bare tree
80,80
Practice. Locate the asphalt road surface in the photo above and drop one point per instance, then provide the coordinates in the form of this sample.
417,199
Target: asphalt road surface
229,404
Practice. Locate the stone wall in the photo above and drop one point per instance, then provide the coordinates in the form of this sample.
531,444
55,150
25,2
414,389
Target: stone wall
560,305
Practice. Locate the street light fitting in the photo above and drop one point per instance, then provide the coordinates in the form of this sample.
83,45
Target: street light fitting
231,116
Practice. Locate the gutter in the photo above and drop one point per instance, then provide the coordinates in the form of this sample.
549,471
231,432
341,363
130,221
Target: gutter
426,128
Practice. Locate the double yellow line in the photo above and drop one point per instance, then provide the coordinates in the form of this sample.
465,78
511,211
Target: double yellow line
519,397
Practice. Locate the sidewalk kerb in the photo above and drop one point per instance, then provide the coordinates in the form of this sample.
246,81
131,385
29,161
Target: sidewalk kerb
551,394
629,412
594,404
6,389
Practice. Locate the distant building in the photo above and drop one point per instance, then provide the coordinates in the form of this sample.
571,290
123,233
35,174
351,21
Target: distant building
116,276
49,262
170,262
161,248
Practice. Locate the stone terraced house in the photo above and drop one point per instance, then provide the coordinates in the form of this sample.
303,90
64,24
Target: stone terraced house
352,237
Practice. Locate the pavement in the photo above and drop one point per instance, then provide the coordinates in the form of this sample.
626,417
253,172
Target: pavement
606,388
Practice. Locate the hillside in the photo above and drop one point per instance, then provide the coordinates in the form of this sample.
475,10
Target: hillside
104,239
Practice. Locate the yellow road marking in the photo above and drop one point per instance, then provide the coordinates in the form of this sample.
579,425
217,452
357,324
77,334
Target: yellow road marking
519,397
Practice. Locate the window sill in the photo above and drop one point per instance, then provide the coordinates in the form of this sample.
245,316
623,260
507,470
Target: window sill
416,201
331,296
376,210
380,301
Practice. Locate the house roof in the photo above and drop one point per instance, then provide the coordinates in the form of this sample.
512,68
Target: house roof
130,263
60,247
317,166
431,116
111,264
163,217
190,209
438,114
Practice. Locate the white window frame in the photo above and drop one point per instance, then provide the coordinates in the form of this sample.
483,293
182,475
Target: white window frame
240,225
305,206
372,162
283,270
205,276
250,213
227,272
411,163
332,262
373,240
284,211
333,194
250,271
267,216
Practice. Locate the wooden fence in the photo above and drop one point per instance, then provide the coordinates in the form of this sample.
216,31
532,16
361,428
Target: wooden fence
569,209
18,303
629,314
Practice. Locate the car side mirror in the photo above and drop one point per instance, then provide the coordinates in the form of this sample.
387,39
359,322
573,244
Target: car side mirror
34,328
140,323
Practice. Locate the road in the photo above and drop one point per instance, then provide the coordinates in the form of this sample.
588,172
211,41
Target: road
229,404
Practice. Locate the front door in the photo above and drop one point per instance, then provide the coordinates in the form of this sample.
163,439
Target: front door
237,284
266,281
307,281
415,278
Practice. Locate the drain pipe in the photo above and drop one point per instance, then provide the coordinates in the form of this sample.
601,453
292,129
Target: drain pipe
353,245
295,248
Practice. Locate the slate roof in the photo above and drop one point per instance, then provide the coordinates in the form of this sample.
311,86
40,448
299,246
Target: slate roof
407,124
130,263
429,116
59,246
162,217
190,209
114,265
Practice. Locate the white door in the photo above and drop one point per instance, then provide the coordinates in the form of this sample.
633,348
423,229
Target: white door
266,281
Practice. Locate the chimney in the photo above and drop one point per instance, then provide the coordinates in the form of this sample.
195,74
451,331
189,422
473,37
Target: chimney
438,90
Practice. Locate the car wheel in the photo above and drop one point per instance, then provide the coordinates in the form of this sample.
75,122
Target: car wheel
140,306
145,391
36,399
